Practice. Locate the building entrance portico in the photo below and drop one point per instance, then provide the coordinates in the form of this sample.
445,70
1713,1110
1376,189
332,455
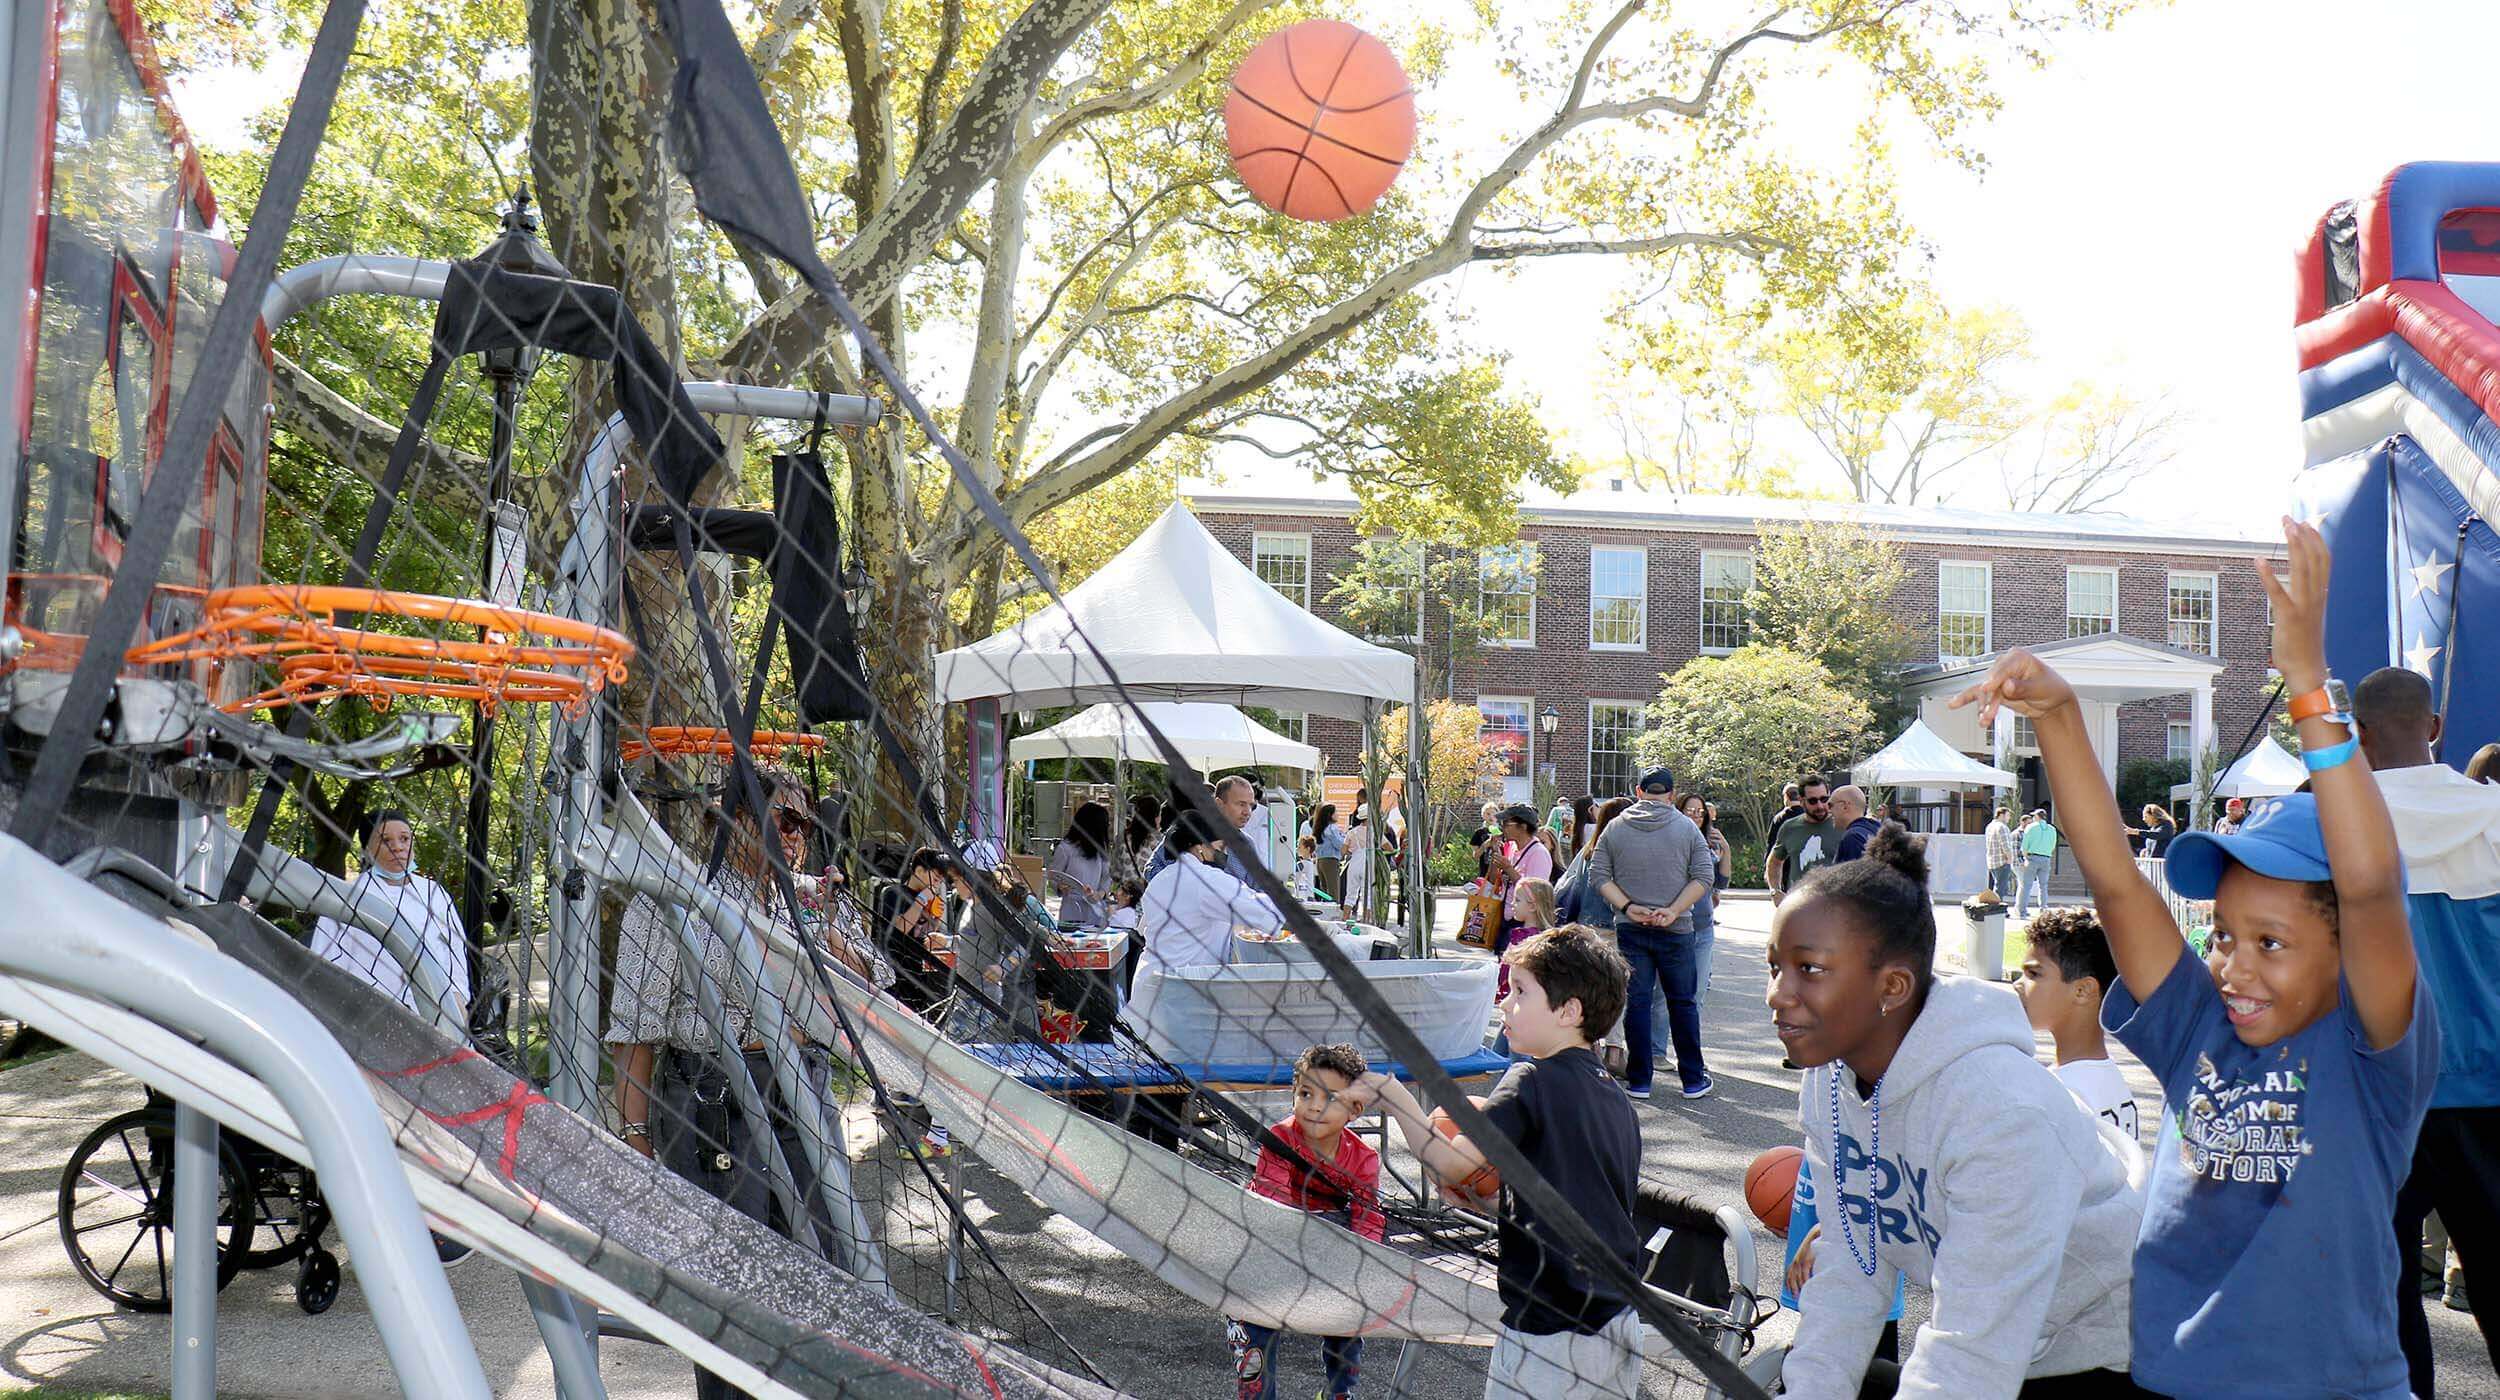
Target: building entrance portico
2107,670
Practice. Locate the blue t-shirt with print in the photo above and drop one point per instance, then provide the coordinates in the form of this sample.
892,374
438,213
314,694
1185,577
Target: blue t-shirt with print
2264,1268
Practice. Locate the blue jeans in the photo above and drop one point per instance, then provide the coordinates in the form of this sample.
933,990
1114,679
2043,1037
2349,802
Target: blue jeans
1254,1360
2035,894
1661,961
2001,880
1705,938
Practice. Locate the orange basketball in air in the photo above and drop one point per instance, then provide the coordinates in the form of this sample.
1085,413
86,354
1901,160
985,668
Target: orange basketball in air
1482,1184
1320,119
1771,1186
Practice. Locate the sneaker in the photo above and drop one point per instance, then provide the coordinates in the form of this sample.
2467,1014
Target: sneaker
451,1252
2454,1298
1638,1091
1701,1090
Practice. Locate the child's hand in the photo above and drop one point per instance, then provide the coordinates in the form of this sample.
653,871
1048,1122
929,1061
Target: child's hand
2020,682
2299,608
1801,1268
1359,1096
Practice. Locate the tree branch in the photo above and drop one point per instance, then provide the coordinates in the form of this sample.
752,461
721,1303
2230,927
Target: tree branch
948,170
361,440
932,87
1192,63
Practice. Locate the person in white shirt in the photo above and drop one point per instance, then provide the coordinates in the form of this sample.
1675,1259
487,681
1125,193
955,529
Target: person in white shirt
415,904
2067,969
1191,908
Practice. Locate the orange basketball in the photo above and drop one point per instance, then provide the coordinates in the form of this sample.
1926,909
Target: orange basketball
1771,1186
1320,119
1481,1185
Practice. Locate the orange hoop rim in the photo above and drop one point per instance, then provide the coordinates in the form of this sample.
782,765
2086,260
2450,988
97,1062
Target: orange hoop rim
525,656
686,740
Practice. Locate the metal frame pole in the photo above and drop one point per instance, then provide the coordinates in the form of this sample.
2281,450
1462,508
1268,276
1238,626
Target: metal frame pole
195,1254
570,1346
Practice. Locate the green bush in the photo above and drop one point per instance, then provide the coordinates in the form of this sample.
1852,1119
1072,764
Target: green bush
1745,855
1453,864
2147,781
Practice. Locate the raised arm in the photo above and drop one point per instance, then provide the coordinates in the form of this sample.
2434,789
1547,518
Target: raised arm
2143,937
2361,850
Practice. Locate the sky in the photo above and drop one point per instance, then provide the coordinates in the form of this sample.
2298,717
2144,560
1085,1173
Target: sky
2145,196
2142,203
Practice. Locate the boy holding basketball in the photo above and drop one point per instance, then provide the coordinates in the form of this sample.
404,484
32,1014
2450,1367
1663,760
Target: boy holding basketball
1326,1171
1563,1334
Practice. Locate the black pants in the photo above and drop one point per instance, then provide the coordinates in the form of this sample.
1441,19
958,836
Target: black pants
1884,1378
2456,1171
704,1138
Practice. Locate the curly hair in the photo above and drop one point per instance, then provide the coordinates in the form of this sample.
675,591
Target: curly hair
1340,1057
2075,941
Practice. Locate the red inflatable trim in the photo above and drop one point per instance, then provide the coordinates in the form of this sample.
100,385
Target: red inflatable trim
2456,340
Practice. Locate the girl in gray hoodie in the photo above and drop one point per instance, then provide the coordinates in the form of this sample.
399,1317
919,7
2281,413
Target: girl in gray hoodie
1950,1155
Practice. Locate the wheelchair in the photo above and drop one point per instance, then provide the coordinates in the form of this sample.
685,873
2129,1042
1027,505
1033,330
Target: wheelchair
116,1213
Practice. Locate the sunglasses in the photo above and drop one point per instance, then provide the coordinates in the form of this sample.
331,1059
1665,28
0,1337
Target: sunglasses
790,820
1818,801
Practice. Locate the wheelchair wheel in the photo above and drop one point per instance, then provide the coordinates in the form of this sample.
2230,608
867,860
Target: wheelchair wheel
117,1210
288,1212
317,1282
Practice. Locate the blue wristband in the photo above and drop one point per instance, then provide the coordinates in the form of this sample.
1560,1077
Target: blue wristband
2320,760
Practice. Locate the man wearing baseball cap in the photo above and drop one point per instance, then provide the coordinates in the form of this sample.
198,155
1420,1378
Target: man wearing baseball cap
1652,865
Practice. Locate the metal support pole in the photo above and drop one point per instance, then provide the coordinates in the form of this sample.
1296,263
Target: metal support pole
569,1345
1418,830
474,848
195,1254
954,1229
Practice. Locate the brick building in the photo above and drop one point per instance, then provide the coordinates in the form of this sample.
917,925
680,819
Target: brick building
1630,584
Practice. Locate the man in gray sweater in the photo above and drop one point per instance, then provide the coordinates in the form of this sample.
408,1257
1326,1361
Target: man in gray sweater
1652,865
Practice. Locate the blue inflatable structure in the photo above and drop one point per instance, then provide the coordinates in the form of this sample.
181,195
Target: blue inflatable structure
2400,410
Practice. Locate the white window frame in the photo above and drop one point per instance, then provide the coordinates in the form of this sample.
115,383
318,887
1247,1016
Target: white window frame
2213,618
1421,559
1633,766
2022,738
1640,600
1987,611
2100,570
1293,725
1527,552
1260,539
1527,708
2179,740
1701,626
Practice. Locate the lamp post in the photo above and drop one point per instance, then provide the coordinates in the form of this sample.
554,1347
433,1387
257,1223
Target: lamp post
1547,721
505,555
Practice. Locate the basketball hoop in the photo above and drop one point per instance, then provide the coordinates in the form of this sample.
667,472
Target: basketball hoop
531,657
683,741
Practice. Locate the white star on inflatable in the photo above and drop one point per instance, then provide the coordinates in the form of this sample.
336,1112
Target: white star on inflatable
2426,577
2316,520
2419,658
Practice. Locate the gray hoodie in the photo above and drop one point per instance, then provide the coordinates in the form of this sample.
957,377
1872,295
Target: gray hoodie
1652,851
1991,1187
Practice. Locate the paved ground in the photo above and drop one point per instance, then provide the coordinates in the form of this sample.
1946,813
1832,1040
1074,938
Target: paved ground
1154,1342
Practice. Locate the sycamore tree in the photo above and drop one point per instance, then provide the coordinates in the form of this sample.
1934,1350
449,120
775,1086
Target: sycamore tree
1032,205
1738,726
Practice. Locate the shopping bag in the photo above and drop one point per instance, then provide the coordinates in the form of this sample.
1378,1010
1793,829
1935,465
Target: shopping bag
1482,923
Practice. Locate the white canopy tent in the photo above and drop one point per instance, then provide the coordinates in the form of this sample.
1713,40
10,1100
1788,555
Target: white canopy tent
1211,737
2264,771
1921,758
1179,618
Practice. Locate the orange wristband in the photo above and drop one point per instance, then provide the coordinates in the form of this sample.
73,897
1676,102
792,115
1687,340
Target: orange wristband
2315,703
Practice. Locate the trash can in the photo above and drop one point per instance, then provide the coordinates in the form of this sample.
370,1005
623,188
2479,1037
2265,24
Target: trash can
1983,939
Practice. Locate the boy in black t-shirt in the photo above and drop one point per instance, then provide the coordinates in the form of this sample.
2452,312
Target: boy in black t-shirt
1563,1332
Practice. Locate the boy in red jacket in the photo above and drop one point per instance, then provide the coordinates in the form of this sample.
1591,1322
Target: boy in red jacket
1327,1172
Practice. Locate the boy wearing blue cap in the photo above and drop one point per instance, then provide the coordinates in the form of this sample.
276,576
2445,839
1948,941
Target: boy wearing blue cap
2306,1049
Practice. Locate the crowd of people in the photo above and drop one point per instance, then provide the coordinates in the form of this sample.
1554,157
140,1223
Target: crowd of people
2329,1061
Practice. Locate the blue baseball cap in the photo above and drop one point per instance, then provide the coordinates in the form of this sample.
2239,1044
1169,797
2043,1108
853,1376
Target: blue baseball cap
1657,780
2280,840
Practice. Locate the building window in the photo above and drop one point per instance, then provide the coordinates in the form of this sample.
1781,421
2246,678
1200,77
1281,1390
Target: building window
1618,599
1283,562
2192,611
1962,607
1504,727
1613,726
2091,602
2026,738
1403,619
2182,746
1725,580
1506,583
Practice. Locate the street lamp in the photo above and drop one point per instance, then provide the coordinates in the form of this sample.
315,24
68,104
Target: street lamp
1547,720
